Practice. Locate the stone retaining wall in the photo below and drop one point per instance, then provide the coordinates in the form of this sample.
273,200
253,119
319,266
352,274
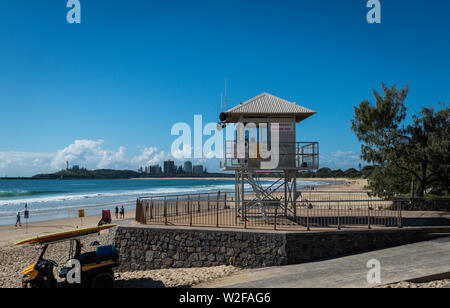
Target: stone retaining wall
318,246
423,204
149,247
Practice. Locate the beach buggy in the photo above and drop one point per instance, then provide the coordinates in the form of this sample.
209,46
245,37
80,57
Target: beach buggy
96,266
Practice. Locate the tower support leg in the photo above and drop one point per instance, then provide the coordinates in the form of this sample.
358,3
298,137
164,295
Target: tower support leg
286,183
294,192
236,197
242,191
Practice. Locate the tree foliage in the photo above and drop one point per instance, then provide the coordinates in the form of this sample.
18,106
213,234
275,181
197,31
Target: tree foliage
325,172
403,154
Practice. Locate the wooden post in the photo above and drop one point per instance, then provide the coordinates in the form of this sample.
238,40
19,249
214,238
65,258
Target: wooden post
295,194
329,200
151,209
275,219
147,210
285,194
217,211
237,205
136,214
399,214
189,211
165,210
235,211
243,205
244,208
339,216
307,217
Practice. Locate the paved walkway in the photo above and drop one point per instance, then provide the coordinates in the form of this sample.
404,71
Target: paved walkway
397,264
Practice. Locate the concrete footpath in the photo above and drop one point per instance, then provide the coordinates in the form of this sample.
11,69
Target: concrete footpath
397,264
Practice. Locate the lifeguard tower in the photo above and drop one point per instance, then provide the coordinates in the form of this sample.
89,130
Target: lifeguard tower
265,142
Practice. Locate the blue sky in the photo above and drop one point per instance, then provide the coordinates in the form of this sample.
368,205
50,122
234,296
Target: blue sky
106,92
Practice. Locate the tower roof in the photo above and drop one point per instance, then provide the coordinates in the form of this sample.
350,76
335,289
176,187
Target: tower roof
267,105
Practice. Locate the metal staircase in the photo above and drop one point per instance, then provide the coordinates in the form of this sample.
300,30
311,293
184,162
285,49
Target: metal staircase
264,200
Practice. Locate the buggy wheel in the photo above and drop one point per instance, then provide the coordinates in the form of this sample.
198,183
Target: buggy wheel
103,281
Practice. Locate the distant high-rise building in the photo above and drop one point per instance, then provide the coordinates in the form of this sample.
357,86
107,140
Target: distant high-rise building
169,167
187,167
197,169
154,170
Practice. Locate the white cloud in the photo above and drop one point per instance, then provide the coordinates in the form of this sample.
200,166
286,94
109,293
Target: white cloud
89,154
23,163
159,158
185,153
146,156
340,160
151,156
86,153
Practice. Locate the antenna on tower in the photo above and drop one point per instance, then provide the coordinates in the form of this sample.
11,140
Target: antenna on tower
225,93
221,102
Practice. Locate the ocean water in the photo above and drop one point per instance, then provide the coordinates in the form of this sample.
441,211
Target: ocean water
57,199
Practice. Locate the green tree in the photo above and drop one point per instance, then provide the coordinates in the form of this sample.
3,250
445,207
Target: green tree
401,153
430,147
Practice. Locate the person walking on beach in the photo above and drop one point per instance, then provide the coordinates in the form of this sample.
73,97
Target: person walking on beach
117,212
122,212
18,219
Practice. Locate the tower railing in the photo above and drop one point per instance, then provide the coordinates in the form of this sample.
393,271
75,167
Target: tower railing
315,210
291,155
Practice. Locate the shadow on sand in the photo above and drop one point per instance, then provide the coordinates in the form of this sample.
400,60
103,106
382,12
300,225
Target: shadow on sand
142,283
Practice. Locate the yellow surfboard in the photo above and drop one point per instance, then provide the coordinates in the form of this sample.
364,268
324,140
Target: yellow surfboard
66,235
